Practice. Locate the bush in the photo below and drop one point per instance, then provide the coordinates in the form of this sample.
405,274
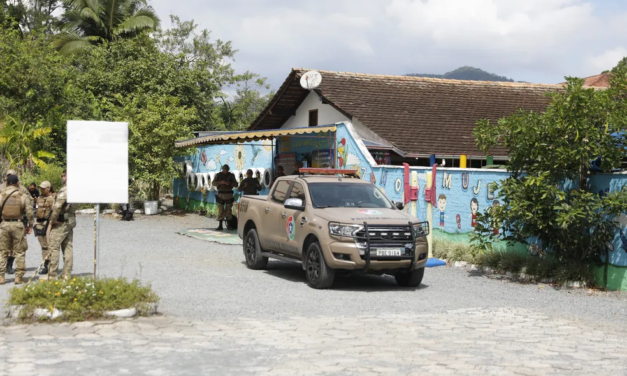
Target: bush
489,259
50,172
82,298
452,251
532,266
512,262
573,272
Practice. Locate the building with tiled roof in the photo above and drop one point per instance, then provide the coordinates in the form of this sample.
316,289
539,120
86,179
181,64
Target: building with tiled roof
411,117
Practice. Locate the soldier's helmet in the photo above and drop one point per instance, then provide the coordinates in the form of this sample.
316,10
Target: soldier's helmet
45,184
11,172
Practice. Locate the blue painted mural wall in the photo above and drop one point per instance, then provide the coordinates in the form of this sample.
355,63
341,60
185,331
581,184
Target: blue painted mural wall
209,159
464,190
612,183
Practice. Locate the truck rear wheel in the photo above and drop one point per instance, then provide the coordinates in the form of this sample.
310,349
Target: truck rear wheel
319,275
252,251
410,279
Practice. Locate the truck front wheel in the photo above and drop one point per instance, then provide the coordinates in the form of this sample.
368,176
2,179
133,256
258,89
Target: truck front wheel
410,279
252,251
319,275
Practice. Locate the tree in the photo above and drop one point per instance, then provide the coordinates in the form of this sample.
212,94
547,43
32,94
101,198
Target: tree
35,84
241,111
547,196
20,143
155,122
88,22
209,62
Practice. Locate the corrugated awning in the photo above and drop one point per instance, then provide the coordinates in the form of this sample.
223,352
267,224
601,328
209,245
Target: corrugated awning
237,137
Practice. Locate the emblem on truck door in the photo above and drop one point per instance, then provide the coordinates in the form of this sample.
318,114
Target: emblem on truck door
291,229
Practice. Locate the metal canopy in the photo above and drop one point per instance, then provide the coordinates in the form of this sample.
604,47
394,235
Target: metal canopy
238,137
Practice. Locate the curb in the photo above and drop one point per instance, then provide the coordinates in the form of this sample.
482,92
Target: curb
145,309
522,277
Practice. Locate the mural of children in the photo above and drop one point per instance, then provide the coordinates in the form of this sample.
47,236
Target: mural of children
441,207
496,203
458,219
474,207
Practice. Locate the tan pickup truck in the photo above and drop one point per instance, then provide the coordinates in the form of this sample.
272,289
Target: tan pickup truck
333,225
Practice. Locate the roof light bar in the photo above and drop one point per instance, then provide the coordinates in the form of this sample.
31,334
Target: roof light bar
326,171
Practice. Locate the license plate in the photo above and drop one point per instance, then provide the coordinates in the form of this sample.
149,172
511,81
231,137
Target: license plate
389,252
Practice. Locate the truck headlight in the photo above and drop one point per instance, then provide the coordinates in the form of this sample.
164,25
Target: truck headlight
421,229
339,229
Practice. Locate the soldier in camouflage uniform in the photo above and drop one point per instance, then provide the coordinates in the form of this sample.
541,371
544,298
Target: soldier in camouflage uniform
12,230
29,197
63,221
42,217
225,182
250,185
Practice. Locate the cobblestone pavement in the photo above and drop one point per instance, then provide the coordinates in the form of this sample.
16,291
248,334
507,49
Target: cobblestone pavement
223,319
469,341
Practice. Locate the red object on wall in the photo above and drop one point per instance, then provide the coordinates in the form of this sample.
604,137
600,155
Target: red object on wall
413,193
430,195
406,190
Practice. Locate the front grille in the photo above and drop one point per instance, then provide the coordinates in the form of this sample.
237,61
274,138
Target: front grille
386,236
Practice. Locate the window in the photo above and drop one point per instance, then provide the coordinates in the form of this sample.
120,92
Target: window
339,195
280,191
298,192
313,118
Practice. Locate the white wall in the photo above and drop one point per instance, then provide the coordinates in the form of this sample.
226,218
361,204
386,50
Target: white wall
326,113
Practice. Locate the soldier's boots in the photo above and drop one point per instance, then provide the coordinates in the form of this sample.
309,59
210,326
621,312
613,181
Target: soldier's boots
10,269
18,280
220,228
44,270
2,280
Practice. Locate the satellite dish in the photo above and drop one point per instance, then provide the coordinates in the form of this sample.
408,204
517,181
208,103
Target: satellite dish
311,80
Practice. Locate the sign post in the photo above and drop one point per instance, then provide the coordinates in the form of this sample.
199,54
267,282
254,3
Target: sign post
97,167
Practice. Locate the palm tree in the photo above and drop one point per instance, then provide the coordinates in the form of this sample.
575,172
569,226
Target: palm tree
89,22
19,143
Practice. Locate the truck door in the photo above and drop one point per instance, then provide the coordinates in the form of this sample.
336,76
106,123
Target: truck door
271,231
294,221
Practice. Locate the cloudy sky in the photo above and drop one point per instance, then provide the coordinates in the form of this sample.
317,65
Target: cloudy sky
527,40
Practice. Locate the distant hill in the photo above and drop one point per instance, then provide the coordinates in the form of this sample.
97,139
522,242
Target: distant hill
465,73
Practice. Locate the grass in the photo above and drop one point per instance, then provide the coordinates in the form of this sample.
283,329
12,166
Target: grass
82,298
514,262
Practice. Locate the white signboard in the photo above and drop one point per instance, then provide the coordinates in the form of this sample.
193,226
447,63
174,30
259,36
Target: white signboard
97,162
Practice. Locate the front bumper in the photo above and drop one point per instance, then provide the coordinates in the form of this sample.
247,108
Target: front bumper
346,255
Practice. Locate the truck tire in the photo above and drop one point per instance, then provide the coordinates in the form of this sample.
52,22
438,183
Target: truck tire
319,275
252,251
410,279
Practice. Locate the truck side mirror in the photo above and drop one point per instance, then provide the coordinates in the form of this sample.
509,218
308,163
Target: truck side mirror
294,204
399,205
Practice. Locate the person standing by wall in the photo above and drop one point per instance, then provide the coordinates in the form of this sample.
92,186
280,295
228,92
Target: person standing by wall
25,192
250,185
43,213
15,205
225,182
63,221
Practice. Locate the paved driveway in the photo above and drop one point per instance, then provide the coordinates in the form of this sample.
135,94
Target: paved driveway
221,318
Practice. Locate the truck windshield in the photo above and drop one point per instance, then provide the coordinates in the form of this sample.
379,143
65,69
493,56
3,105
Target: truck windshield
338,195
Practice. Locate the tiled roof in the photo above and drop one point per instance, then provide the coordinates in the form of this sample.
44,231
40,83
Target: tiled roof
420,116
600,80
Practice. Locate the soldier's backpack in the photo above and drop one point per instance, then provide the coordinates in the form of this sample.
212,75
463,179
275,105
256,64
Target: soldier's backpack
4,203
